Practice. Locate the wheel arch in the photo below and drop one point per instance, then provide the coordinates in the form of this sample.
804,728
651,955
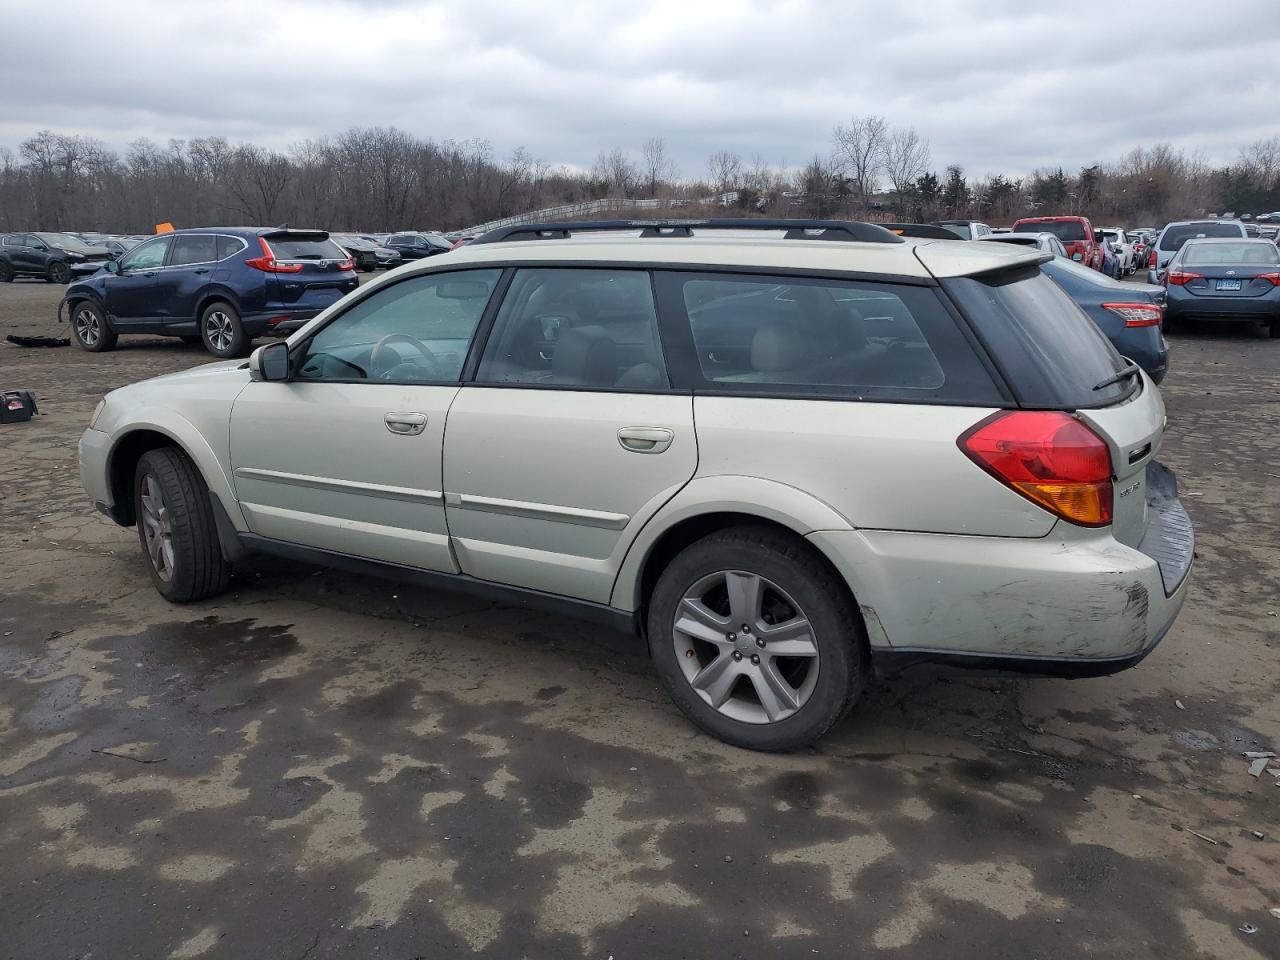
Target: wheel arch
214,295
139,438
708,505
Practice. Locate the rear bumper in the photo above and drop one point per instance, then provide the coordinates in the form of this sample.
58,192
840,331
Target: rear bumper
1074,603
1184,305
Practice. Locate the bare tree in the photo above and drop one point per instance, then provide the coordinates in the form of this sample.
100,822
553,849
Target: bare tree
725,170
906,158
655,163
615,171
860,147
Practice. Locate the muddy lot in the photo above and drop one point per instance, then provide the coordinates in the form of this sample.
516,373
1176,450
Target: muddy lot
317,765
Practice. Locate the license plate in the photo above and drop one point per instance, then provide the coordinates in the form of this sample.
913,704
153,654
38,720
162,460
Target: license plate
1228,285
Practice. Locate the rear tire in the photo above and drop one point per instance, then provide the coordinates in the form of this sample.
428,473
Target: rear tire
6,273
793,586
222,332
90,329
176,527
59,272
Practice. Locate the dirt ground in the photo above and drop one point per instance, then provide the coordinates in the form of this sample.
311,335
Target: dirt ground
316,765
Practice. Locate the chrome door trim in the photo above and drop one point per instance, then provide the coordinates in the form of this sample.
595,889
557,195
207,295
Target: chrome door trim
341,486
539,511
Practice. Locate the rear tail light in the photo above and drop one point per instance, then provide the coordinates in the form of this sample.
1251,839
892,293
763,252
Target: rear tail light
347,264
268,262
1137,314
1052,459
1271,278
1151,259
1182,277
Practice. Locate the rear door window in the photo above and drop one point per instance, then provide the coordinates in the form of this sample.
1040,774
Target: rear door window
1052,354
786,336
592,329
193,248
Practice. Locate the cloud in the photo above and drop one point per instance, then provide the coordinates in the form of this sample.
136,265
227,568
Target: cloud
994,86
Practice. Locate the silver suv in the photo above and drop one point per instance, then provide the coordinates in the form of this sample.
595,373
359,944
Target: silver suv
785,453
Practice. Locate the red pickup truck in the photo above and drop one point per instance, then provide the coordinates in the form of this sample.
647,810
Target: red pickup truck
1076,233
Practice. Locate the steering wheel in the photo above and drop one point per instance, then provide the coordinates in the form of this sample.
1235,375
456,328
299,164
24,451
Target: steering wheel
383,361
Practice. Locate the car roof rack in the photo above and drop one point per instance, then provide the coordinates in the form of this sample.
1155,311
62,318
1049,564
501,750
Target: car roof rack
844,230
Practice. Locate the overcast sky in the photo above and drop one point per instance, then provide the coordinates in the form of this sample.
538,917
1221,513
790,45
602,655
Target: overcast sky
995,86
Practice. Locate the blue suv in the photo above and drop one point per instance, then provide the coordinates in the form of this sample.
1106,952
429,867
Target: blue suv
222,286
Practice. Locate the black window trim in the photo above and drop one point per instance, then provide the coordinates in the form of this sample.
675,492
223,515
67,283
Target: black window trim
298,349
168,257
688,377
470,371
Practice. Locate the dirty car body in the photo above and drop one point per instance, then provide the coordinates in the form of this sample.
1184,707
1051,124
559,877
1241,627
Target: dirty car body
779,458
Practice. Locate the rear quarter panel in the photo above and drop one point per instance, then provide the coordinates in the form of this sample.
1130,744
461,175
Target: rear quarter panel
885,466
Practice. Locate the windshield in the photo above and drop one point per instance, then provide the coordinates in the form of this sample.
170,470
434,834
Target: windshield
353,243
1175,236
61,241
1204,254
1066,230
961,230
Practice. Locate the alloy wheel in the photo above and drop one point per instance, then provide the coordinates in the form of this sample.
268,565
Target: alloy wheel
219,330
88,328
745,647
157,528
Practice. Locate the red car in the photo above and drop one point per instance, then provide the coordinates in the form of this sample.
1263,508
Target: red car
1083,244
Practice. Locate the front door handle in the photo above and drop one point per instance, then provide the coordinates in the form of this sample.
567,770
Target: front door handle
405,424
645,439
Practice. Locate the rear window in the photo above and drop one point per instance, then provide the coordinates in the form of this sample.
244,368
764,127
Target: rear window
1051,352
1174,237
1204,254
1066,230
842,339
961,230
304,248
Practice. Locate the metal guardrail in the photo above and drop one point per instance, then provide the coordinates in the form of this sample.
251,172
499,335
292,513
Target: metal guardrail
567,211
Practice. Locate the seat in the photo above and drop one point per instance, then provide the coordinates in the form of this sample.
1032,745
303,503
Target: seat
585,356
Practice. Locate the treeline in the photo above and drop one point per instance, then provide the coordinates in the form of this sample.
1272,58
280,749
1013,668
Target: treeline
383,179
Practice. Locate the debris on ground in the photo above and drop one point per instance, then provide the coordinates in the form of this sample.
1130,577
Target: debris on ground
1203,837
1248,928
1178,704
1258,834
1258,754
1256,768
38,341
1275,912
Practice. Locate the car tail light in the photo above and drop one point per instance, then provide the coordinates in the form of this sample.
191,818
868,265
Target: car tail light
1182,277
347,264
1272,278
1151,259
268,262
1052,459
1137,314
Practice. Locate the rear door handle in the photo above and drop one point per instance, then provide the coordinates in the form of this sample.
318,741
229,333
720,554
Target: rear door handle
405,424
645,439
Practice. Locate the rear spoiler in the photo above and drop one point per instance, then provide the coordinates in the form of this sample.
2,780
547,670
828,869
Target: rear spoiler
285,233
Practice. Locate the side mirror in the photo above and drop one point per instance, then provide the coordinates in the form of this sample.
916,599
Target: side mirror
111,266
270,363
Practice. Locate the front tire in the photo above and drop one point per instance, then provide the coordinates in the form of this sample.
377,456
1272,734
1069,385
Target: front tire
59,273
756,640
89,327
176,527
222,332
